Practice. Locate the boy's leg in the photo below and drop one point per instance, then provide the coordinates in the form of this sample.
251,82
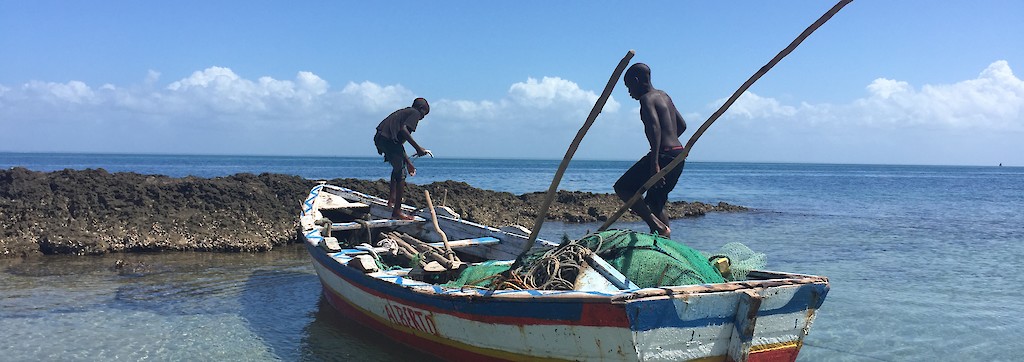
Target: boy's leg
398,188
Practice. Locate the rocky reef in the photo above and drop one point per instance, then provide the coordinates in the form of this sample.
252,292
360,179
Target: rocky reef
94,211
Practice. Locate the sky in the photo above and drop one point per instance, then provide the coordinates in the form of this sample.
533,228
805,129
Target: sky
883,82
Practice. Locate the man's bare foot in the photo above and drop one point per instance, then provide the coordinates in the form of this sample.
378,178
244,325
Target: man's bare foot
401,216
666,233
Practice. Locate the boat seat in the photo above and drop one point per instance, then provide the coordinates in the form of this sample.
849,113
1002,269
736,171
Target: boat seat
331,204
373,224
454,244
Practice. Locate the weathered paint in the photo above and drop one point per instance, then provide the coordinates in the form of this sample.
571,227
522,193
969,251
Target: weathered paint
512,330
696,323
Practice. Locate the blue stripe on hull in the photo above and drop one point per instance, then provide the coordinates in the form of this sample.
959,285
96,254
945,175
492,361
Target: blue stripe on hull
661,313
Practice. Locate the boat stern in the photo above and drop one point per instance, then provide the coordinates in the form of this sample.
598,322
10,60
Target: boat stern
749,321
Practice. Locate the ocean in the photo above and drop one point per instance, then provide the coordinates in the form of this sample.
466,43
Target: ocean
924,262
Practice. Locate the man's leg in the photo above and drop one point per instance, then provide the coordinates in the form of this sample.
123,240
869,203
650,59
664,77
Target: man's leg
657,197
629,184
655,201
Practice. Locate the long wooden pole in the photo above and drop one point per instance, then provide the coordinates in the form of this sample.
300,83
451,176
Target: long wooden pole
721,110
542,212
433,219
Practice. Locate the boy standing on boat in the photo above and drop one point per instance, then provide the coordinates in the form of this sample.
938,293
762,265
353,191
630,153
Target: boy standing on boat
663,125
390,139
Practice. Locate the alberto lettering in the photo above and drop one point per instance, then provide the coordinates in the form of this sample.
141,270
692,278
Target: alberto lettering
412,318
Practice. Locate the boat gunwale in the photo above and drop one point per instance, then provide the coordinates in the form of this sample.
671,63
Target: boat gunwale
766,279
620,297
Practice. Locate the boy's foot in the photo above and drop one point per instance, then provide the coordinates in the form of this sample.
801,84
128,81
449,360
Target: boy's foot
401,216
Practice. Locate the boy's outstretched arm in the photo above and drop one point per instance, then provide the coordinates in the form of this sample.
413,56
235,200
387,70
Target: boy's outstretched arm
420,151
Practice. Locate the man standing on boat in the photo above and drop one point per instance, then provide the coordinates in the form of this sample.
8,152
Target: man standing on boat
663,125
390,139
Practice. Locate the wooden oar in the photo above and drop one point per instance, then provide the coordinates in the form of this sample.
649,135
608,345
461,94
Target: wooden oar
746,85
542,212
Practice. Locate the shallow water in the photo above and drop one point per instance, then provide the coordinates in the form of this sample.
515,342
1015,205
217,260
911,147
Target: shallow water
177,306
922,261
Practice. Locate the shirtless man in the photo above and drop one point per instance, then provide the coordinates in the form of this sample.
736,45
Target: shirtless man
663,125
390,139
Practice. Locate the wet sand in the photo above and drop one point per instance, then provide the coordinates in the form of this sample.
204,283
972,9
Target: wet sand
95,212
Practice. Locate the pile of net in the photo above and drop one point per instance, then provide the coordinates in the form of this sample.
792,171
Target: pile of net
741,260
652,261
646,260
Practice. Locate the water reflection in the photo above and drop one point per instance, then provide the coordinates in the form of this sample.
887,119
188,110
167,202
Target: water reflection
331,336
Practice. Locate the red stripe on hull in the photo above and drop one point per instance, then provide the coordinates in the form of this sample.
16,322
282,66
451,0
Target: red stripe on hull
439,350
604,315
775,355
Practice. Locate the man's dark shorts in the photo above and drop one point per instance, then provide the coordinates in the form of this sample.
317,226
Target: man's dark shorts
394,153
637,175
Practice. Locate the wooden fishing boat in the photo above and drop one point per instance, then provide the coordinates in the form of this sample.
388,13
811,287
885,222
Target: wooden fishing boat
604,317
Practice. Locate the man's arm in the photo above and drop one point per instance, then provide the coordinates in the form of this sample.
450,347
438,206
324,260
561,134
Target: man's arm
420,151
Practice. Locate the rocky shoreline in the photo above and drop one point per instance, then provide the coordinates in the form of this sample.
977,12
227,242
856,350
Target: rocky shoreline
93,211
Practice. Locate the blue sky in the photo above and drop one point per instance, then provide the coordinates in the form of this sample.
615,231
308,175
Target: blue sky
884,82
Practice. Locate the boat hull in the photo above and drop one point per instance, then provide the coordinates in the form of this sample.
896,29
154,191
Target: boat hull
572,325
762,319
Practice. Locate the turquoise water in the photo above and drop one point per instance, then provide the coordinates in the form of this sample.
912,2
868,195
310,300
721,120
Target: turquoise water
923,262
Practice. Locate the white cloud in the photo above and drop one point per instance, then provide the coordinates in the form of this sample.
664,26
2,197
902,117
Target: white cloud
222,92
992,101
751,105
884,88
555,92
534,118
550,101
374,98
152,77
966,122
73,92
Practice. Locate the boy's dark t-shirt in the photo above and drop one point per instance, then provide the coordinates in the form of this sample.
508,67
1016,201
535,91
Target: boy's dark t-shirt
391,126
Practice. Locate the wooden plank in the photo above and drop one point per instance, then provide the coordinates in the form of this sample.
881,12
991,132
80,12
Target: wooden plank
744,322
486,240
373,224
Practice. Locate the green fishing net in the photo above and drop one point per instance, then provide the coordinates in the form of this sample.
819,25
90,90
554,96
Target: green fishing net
741,259
480,275
646,260
652,261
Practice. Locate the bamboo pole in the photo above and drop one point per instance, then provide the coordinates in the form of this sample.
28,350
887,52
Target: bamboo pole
542,212
721,110
433,219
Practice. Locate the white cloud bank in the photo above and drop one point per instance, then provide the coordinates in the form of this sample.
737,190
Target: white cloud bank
992,101
218,111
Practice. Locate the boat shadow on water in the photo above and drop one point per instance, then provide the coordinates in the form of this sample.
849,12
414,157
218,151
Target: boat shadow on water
287,311
332,336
